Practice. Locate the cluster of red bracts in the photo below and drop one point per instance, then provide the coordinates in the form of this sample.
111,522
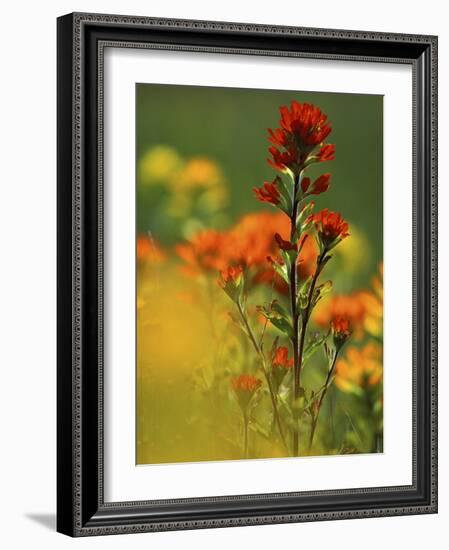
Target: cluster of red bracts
269,192
303,129
330,226
341,330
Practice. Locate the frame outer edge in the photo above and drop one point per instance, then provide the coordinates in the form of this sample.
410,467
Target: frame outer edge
69,521
65,370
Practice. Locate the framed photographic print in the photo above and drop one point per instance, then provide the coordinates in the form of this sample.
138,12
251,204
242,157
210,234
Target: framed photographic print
247,288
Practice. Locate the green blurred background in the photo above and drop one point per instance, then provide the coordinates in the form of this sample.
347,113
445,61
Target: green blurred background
229,126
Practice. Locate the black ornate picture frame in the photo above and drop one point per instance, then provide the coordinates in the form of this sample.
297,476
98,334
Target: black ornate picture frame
81,509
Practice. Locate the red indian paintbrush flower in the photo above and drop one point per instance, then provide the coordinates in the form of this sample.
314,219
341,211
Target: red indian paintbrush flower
304,128
280,365
245,386
307,123
269,192
231,281
281,358
331,228
341,330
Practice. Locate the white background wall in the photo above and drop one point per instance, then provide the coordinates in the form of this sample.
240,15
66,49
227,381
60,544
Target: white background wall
27,272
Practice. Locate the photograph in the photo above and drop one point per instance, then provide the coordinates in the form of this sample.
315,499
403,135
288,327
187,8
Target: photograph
259,262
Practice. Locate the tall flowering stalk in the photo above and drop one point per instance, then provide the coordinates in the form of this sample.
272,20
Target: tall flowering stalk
297,144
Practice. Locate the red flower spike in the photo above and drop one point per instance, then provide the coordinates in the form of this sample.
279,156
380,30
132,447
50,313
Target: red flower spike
268,193
306,122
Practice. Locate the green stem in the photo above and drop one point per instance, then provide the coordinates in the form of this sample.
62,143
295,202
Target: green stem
294,313
307,310
264,369
245,434
320,402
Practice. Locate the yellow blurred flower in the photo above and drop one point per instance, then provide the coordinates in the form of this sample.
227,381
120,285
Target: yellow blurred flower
373,303
363,309
158,165
199,172
359,368
354,253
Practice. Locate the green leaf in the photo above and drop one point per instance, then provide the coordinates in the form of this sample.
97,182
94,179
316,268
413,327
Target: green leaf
302,216
282,325
278,317
286,195
282,271
303,293
313,345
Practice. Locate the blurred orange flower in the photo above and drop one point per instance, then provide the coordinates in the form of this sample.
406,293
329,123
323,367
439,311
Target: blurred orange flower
350,307
202,253
359,368
147,250
373,304
248,244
